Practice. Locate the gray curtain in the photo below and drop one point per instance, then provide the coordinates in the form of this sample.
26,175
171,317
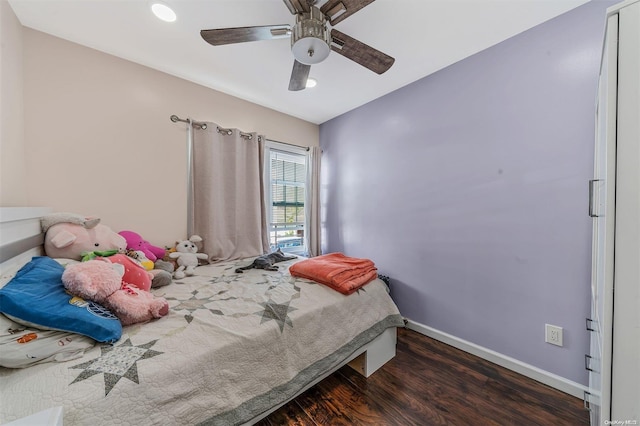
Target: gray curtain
228,193
312,202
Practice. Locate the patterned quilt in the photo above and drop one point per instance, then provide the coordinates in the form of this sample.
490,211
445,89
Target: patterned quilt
233,346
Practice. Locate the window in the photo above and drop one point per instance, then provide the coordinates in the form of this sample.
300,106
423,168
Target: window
286,171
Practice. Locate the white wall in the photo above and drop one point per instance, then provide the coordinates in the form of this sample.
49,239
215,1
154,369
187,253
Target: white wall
100,141
12,161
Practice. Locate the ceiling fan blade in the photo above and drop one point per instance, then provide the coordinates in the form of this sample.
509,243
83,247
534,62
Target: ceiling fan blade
299,76
297,6
338,10
219,37
360,53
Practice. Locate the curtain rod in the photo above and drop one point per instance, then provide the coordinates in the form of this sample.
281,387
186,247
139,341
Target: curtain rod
306,148
203,126
175,119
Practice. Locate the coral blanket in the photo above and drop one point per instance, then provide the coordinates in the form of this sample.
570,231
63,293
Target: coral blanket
341,273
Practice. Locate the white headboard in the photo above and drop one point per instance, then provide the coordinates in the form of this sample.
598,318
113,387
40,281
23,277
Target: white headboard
21,238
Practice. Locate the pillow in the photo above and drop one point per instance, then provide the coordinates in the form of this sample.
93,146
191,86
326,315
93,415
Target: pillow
36,297
22,347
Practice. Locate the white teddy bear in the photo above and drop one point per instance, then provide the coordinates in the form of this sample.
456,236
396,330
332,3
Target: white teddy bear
187,255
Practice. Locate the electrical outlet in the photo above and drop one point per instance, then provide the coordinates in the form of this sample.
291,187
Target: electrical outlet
553,334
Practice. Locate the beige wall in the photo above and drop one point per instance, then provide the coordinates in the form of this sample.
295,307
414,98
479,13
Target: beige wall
100,141
13,186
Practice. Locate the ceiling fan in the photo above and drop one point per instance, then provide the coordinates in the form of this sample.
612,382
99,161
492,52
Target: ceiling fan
311,40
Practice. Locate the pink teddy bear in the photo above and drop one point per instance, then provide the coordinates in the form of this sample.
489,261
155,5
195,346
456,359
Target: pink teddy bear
100,280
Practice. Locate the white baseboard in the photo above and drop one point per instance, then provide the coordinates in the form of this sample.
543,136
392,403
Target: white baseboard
535,373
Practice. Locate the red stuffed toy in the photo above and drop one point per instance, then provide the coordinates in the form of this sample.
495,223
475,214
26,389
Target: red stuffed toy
134,273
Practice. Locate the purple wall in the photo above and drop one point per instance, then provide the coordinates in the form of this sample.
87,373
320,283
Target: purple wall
469,189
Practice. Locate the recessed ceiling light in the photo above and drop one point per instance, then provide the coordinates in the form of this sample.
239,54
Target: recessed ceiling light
164,12
311,82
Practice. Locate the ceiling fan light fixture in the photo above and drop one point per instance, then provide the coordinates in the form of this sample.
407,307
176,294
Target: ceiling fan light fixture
310,38
163,12
310,50
311,82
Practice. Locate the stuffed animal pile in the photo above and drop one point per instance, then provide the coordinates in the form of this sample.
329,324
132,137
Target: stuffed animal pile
117,270
106,274
145,251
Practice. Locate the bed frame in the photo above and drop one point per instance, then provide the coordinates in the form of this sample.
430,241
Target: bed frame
365,361
22,238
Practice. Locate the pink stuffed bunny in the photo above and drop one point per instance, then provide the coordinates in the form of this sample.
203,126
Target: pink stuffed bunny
101,281
136,242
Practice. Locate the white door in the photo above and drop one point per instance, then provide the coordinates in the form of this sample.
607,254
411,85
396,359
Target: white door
602,209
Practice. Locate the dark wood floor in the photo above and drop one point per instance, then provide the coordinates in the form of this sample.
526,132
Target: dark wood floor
431,383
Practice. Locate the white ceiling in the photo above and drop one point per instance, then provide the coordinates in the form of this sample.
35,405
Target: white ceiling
423,36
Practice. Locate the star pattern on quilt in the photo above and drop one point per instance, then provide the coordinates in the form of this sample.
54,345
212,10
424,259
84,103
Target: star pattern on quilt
193,304
116,362
279,312
228,279
224,293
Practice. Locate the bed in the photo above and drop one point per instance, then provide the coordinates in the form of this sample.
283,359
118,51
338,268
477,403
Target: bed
233,348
